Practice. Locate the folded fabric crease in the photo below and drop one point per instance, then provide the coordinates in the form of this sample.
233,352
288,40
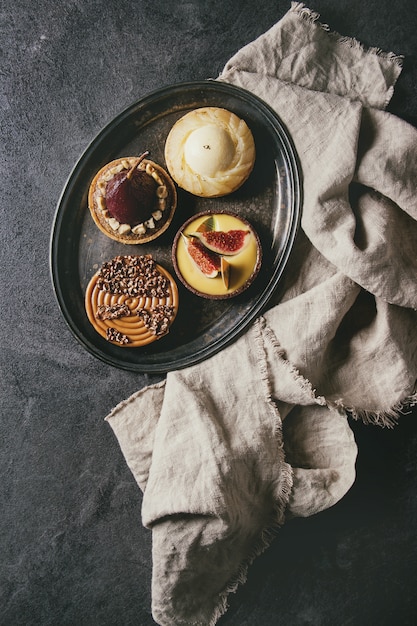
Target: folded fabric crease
228,450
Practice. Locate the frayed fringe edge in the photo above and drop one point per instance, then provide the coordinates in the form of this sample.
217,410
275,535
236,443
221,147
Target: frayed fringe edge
269,533
304,384
266,538
121,405
384,419
314,18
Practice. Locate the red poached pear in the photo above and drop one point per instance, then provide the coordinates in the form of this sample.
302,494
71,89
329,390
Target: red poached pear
130,195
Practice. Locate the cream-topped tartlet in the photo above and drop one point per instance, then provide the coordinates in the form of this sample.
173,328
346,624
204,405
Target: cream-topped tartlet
210,152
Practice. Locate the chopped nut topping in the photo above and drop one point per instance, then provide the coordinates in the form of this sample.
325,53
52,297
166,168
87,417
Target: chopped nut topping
158,319
111,312
133,276
114,335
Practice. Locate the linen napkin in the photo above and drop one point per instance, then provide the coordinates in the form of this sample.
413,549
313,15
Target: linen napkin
225,454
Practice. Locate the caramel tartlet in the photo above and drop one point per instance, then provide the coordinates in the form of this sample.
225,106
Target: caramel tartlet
210,152
155,196
131,301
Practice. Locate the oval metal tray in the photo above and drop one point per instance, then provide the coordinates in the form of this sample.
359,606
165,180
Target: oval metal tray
270,199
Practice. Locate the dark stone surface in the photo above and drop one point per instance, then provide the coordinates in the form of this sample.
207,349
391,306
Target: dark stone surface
73,550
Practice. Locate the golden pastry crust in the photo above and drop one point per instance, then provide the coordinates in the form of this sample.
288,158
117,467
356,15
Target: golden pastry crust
165,203
142,315
210,152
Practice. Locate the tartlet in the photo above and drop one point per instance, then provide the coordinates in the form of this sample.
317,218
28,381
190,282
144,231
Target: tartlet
235,271
210,152
131,301
160,214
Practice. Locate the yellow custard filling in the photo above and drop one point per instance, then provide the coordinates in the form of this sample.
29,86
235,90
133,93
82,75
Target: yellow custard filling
242,265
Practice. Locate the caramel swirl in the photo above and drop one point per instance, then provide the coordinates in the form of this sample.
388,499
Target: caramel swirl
130,330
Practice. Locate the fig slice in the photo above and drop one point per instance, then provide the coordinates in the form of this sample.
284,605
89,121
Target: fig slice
206,261
229,242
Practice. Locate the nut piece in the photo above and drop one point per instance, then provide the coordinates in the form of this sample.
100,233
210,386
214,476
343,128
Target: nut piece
161,191
140,229
114,224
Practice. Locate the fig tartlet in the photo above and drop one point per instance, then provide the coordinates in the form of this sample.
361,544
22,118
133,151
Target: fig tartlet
131,301
217,255
210,152
132,199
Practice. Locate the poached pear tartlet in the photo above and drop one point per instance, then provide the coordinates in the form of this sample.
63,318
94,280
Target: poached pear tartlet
210,152
132,199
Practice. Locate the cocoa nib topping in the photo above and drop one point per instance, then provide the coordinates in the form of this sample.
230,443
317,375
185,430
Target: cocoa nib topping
111,312
133,276
158,319
114,335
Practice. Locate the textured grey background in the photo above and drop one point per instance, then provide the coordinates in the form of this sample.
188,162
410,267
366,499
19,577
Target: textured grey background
72,548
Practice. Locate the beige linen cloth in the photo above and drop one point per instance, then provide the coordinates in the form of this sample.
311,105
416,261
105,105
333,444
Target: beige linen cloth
228,450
